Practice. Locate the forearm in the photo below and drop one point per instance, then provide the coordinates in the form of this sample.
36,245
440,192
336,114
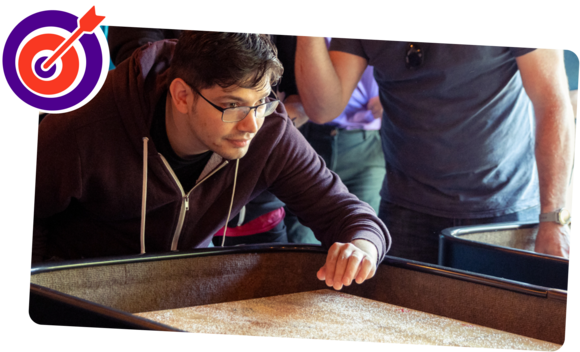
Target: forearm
318,83
554,153
319,198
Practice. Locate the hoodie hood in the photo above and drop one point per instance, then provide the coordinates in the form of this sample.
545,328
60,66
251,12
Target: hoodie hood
142,80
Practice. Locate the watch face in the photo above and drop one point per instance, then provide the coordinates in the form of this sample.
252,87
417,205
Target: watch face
564,216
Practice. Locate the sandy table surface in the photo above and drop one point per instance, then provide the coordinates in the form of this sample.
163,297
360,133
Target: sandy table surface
331,315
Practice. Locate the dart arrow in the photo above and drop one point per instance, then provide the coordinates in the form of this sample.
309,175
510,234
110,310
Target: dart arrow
87,24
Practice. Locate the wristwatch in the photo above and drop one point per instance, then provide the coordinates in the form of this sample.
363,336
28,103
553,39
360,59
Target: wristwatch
560,216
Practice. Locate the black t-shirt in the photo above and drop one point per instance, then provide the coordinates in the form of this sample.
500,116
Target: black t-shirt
187,170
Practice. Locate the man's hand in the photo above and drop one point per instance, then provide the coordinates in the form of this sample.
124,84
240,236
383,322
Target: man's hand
553,239
349,261
374,105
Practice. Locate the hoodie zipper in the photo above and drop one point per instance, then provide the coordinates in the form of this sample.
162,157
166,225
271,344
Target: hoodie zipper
185,199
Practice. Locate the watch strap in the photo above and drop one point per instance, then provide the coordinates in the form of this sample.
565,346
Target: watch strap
560,216
546,217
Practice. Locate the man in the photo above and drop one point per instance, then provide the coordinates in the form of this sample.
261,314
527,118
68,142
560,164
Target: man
259,221
457,133
179,138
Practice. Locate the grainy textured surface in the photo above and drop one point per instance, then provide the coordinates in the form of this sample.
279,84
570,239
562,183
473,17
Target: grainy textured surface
326,314
520,239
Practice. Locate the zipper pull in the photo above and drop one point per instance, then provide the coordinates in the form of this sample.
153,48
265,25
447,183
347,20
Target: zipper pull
186,199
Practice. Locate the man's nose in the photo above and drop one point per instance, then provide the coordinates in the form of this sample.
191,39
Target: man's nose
249,123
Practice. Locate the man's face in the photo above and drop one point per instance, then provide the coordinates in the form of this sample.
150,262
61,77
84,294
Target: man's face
206,129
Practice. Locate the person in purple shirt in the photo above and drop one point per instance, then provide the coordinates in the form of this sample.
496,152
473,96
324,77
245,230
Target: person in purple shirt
349,144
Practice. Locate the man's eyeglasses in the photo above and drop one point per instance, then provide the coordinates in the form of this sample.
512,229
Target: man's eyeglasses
239,113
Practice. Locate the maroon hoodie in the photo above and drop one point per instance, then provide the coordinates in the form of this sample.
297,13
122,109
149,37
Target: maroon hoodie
89,182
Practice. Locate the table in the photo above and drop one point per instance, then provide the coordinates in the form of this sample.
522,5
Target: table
331,315
107,293
504,250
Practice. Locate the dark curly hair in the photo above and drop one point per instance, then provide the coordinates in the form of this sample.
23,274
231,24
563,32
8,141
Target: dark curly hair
204,59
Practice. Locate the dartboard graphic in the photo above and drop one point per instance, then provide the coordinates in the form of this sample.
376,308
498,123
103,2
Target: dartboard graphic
54,62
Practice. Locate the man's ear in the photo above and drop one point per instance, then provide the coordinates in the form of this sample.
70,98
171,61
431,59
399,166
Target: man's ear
181,95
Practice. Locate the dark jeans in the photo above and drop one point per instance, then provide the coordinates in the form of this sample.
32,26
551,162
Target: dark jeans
415,235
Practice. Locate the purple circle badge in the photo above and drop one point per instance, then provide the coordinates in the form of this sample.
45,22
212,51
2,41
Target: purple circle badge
55,61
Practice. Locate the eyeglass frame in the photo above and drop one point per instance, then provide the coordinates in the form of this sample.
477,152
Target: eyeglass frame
222,110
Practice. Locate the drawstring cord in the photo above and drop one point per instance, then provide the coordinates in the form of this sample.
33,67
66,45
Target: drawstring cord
231,203
144,195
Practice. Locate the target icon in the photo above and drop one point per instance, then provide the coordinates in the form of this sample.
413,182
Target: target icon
55,61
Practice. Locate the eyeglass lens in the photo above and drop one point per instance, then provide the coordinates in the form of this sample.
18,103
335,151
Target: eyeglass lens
238,114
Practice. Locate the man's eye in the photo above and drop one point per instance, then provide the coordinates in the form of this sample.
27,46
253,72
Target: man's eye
231,105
